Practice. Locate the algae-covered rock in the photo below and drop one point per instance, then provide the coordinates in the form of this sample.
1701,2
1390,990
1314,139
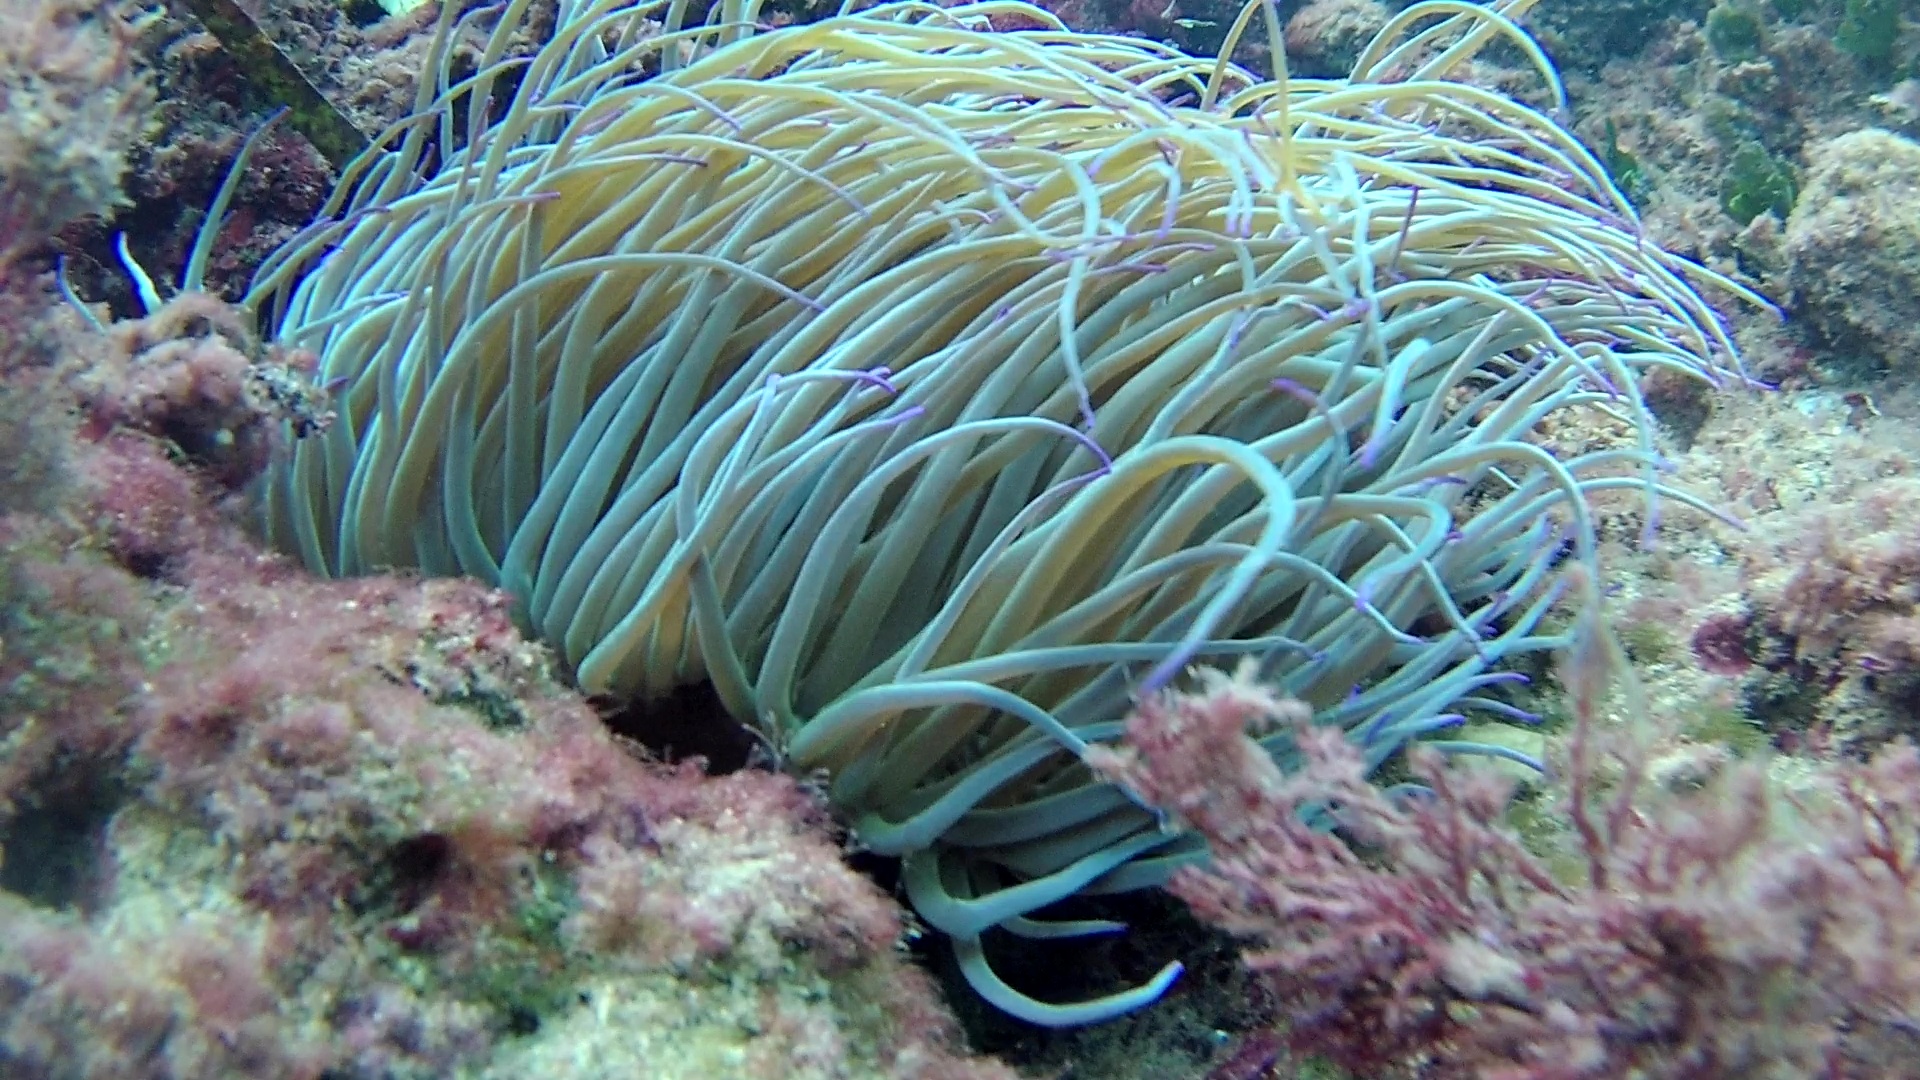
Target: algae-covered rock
1853,247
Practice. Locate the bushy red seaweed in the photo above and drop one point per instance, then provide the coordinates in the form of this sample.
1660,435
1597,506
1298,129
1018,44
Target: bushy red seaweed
1734,930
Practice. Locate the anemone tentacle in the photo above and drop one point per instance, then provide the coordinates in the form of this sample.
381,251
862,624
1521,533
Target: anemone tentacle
932,387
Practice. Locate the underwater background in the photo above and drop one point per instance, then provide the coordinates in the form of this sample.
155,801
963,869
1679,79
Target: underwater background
259,822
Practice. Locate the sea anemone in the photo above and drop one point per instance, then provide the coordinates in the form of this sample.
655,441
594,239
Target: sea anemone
931,381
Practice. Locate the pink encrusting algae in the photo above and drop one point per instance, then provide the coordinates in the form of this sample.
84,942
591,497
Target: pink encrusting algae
257,824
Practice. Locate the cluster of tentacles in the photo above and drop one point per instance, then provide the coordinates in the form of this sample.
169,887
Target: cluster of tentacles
932,381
